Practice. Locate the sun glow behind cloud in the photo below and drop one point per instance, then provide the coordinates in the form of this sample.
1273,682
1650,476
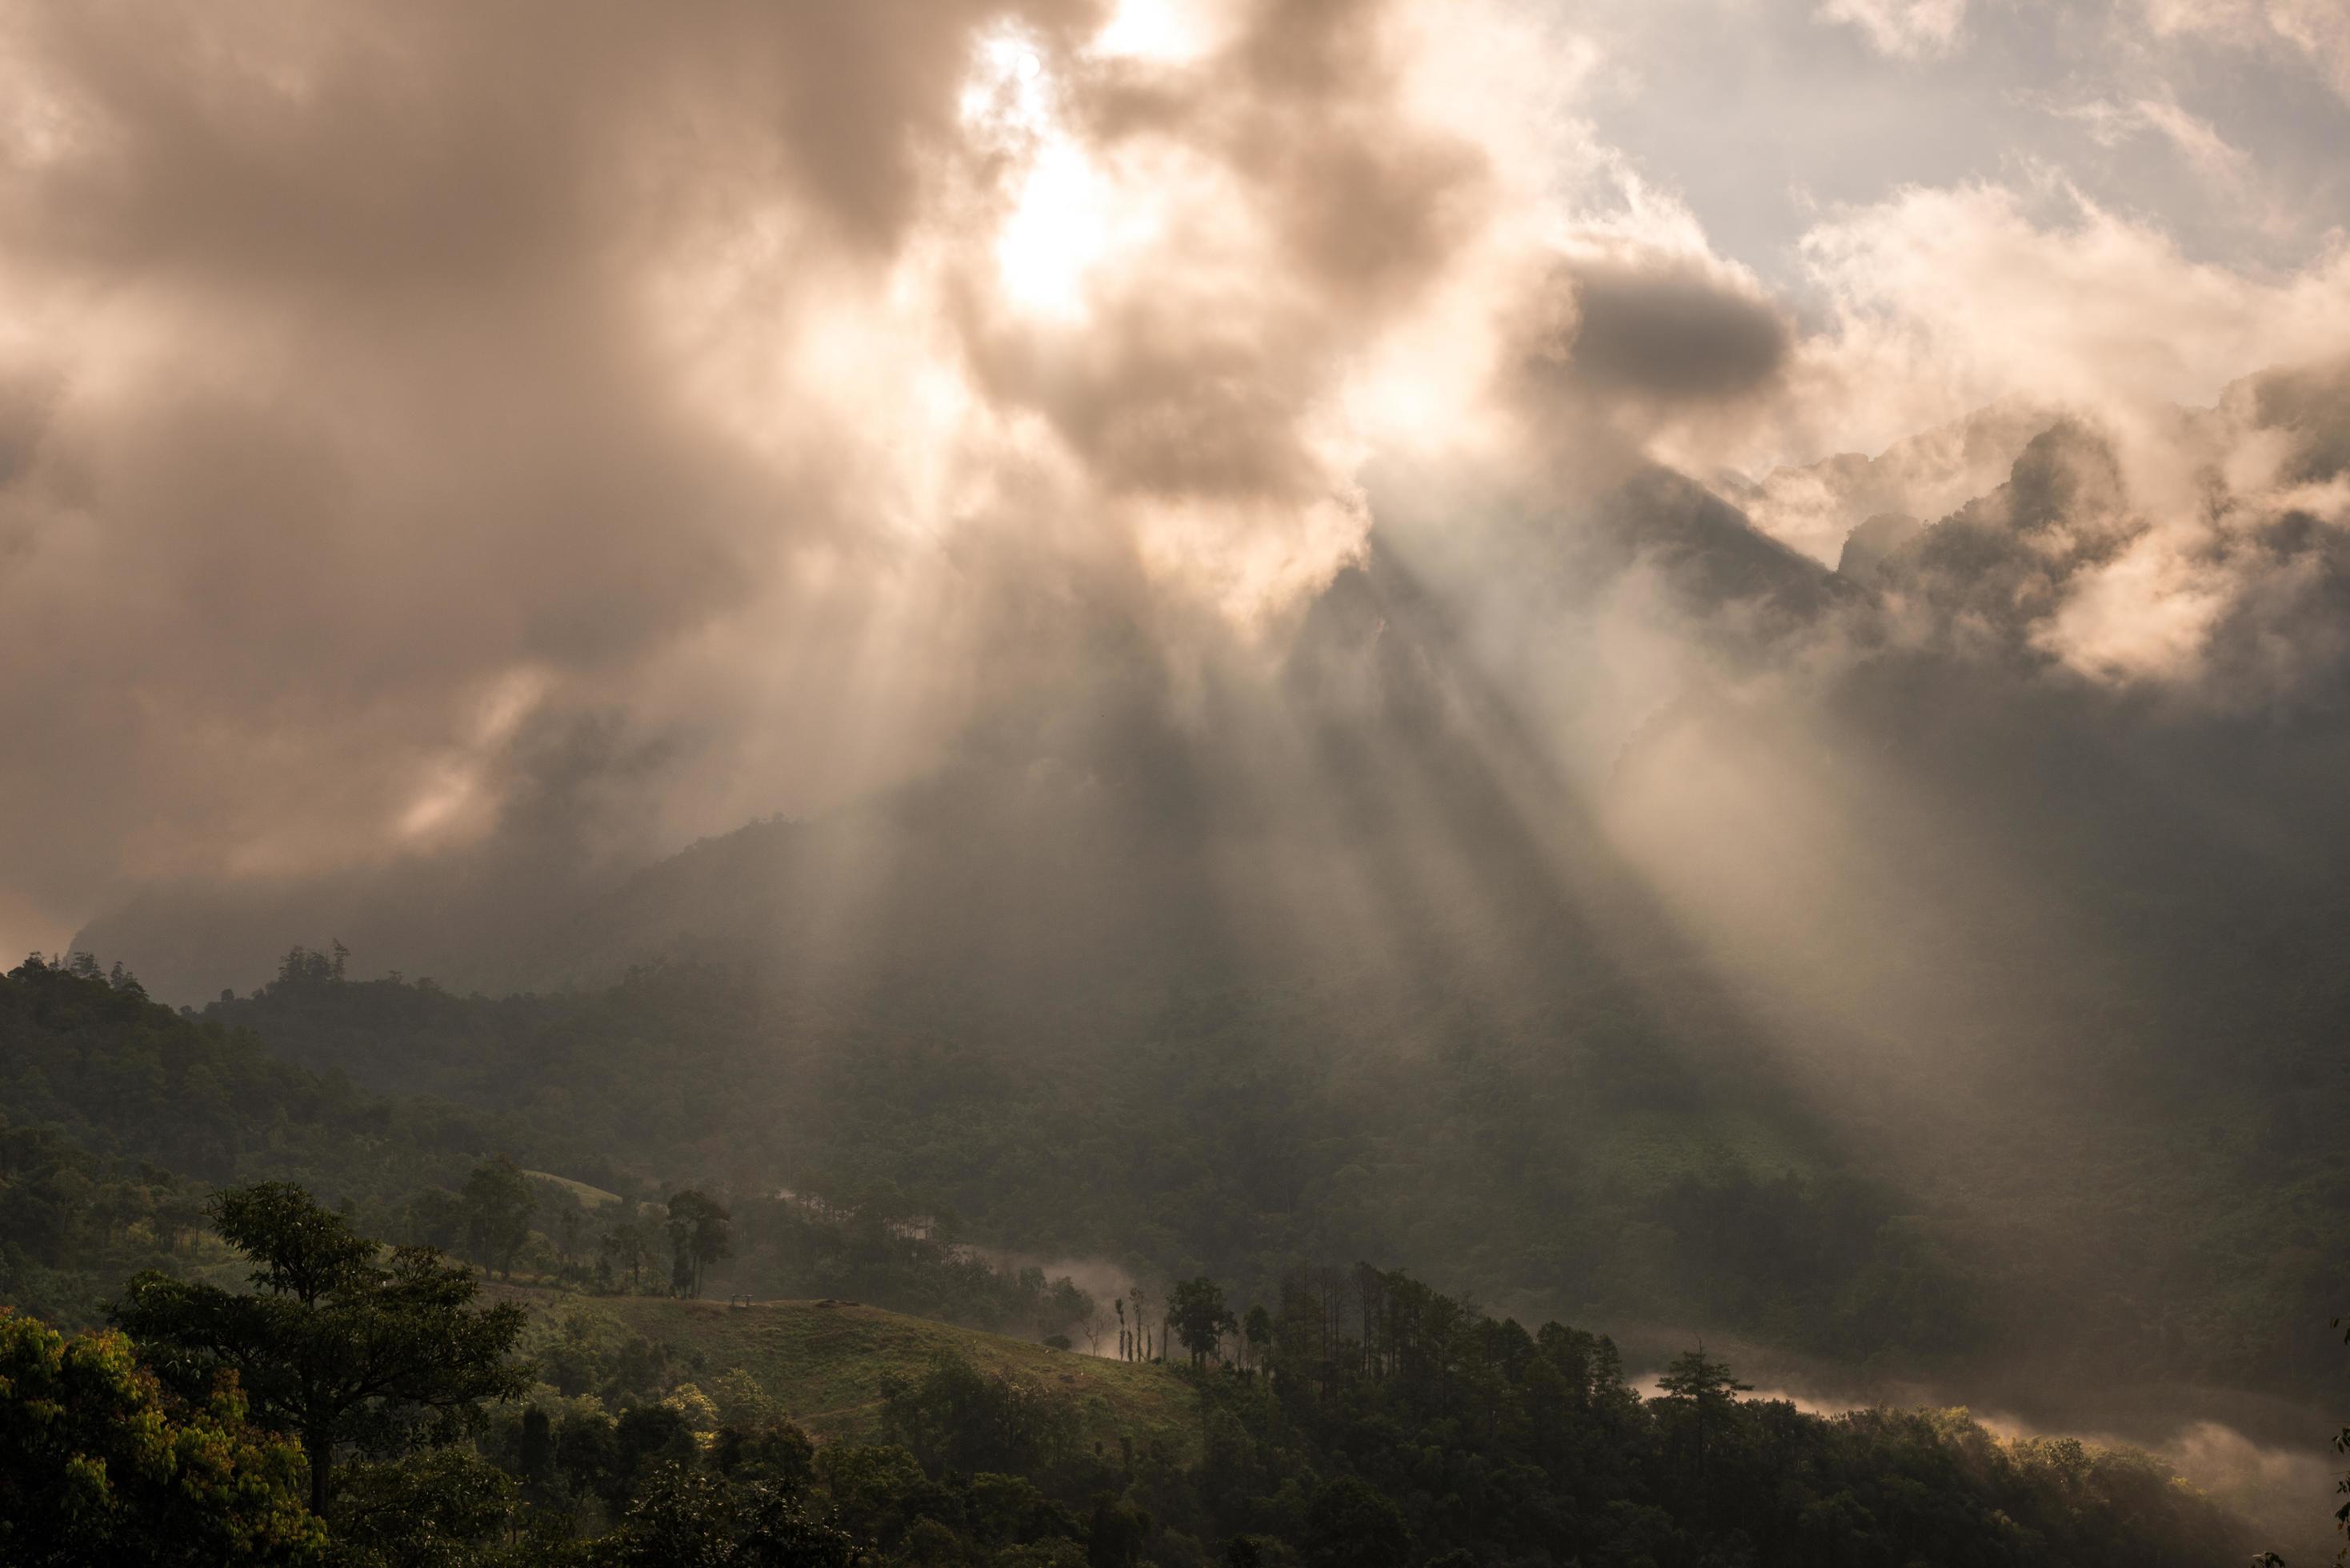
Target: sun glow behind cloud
1057,231
1165,32
1066,211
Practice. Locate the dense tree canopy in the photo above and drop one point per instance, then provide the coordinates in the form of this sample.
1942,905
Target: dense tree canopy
99,1464
333,1344
1386,1423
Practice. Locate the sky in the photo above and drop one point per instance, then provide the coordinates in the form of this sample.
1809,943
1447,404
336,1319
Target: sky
419,423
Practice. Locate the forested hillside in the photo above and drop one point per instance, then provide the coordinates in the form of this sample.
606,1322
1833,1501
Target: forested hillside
1325,1416
116,1115
1363,1421
119,1116
1668,1191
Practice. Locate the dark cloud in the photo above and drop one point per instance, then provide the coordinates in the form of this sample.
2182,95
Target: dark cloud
1672,329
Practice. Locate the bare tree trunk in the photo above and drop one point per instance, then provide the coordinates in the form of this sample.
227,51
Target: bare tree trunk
321,1451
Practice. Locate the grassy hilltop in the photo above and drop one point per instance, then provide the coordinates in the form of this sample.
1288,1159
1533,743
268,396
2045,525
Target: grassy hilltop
829,1362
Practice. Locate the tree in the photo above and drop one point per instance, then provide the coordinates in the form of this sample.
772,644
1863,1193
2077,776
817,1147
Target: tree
1114,1536
1702,1386
1066,1306
435,1510
1139,1300
1352,1525
1257,1330
698,1237
302,967
438,1217
689,1516
335,1344
98,1465
2342,1445
1199,1316
499,1203
629,1244
570,1229
961,1418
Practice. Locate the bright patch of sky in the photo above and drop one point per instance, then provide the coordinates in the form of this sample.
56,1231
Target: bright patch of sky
2228,127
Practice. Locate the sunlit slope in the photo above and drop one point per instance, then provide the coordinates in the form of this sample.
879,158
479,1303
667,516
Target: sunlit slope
830,1362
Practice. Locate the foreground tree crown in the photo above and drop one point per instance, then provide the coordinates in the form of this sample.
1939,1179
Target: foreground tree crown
338,1343
98,1464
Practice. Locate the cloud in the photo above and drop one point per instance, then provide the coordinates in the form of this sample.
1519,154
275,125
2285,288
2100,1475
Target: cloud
1631,343
1944,300
2232,182
2111,123
1814,507
1905,29
1670,329
2217,583
2148,547
2318,30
